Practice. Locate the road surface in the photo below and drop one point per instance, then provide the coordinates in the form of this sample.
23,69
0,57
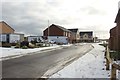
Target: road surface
36,65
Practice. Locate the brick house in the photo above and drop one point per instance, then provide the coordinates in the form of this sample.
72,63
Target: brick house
56,30
114,40
7,34
75,35
86,36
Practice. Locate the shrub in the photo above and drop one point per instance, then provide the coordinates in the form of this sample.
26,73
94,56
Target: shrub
59,43
37,46
17,46
40,44
31,45
6,45
115,55
24,43
24,47
13,44
34,41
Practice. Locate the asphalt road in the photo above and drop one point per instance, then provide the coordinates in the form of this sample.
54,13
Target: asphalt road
36,65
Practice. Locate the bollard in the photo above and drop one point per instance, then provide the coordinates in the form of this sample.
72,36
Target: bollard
107,61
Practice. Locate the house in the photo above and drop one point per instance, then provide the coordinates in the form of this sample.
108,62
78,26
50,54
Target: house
86,36
58,33
8,35
56,30
75,35
114,40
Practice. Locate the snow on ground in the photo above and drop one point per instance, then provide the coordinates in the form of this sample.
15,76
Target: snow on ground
118,71
119,75
91,65
8,52
66,45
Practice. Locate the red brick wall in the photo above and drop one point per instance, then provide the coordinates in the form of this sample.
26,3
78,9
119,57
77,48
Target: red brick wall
53,31
118,31
118,36
114,40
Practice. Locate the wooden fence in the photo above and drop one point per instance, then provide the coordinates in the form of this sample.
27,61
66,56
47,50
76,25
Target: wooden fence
109,62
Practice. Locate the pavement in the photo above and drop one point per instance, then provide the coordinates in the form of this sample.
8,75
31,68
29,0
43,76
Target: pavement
42,65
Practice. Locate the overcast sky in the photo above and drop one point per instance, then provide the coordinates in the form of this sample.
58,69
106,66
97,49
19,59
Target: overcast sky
31,16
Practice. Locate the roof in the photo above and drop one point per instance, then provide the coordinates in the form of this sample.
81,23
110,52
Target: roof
14,33
7,25
64,29
118,16
114,28
74,30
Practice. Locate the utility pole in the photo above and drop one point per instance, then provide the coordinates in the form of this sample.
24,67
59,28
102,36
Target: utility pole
48,32
48,27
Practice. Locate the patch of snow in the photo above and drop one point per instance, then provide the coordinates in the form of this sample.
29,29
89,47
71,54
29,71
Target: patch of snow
67,45
11,52
118,71
91,65
117,62
118,75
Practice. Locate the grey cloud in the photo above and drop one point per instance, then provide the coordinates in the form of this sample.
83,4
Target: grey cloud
19,18
53,2
0,11
92,11
30,17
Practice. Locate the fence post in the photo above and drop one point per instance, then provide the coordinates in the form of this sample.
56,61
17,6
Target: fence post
113,73
107,65
107,56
